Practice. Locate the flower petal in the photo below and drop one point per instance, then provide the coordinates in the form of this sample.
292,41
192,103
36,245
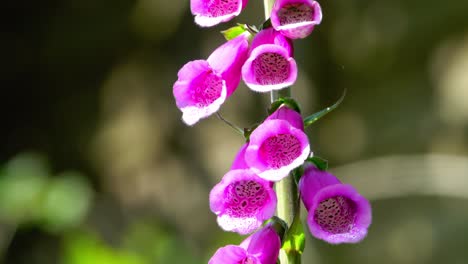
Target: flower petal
271,36
296,18
212,12
228,255
312,181
337,212
239,160
227,60
275,148
286,113
242,201
199,92
269,67
265,245
240,225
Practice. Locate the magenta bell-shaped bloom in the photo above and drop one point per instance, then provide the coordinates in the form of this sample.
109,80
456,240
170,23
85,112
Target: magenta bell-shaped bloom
337,212
242,201
286,113
239,161
260,248
203,85
278,145
270,65
295,18
212,12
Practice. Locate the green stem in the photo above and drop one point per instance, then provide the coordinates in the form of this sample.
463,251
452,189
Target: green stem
287,194
286,189
292,257
236,128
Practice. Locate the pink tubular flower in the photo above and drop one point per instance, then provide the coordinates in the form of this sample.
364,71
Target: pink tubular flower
203,86
242,201
296,18
337,212
212,12
286,113
270,65
260,248
239,161
278,145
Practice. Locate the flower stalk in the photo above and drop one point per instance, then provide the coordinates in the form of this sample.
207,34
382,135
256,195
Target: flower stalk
287,195
287,208
286,189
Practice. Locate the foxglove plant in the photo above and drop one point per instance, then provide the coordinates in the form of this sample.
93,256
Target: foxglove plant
275,167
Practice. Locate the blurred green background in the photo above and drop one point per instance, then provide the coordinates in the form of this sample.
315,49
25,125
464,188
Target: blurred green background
97,167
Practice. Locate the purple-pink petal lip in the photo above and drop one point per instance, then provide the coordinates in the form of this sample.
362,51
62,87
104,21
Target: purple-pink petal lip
229,255
270,65
199,92
296,18
285,113
212,12
271,36
337,212
339,215
228,60
269,153
242,201
268,68
203,85
239,160
262,247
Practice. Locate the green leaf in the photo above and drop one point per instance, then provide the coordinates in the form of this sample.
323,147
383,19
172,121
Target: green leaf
314,117
233,32
274,106
297,173
320,163
266,24
294,241
288,101
279,225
